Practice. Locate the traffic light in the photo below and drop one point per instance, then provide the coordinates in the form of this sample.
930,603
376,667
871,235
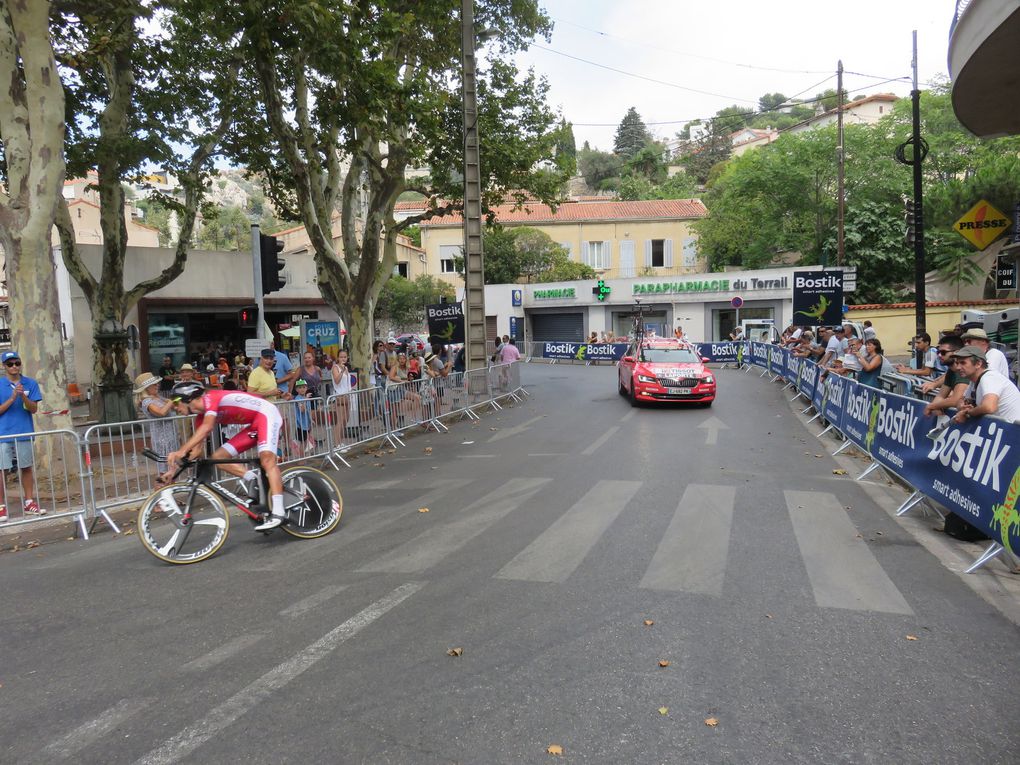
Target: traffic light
248,317
600,290
910,218
269,250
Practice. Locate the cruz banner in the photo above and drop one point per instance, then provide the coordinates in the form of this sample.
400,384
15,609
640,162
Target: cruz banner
585,351
446,323
817,297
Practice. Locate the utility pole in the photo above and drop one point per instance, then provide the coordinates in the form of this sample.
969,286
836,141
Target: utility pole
474,264
256,260
840,156
918,151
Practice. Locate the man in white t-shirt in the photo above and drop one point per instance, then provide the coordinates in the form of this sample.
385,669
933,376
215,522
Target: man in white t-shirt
929,359
833,339
990,391
978,338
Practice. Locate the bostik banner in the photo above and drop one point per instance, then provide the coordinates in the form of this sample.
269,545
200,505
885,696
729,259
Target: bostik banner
760,355
723,352
808,379
791,367
446,323
836,388
585,351
817,297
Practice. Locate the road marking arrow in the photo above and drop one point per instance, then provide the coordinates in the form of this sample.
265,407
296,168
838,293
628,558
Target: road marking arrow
713,425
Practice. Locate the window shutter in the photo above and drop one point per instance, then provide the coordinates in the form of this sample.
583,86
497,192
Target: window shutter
648,253
585,250
667,253
606,254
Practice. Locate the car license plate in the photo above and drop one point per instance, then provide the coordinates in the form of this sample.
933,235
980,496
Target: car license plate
680,391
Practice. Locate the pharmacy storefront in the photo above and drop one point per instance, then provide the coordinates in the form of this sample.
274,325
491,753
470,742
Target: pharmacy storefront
707,306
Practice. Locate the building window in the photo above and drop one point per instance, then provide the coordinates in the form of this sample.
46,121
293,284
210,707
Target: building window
658,253
447,266
595,254
447,257
401,270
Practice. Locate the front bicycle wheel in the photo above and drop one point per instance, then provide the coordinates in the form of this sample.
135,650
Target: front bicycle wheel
167,534
312,501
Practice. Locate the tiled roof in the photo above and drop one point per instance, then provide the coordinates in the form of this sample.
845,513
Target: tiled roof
933,304
533,212
415,204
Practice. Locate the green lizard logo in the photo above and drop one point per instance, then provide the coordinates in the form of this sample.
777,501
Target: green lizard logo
446,334
869,440
740,354
1006,516
818,309
580,352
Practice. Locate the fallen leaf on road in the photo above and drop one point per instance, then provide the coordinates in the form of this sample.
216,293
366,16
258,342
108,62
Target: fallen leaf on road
711,722
555,749
378,464
428,450
839,472
33,543
663,710
664,663
391,451
435,467
493,428
649,622
911,637
455,652
128,532
768,616
423,509
466,443
818,456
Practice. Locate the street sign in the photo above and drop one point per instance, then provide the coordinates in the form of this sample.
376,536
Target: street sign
982,224
1005,273
737,302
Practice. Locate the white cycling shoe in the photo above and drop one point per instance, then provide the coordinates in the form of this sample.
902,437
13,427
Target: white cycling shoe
271,522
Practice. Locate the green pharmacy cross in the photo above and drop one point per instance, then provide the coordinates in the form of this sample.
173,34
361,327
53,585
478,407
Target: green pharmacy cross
600,290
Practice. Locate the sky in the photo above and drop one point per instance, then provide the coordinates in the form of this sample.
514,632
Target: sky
711,55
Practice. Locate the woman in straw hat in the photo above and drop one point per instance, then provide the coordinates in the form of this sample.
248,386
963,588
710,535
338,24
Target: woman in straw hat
151,406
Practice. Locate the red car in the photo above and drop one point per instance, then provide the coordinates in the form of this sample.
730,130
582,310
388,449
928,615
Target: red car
665,370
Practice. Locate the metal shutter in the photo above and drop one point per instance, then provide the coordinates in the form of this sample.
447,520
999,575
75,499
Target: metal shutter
557,326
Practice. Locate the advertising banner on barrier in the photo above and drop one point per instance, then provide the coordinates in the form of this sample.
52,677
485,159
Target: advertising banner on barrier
791,367
861,407
760,355
835,399
724,352
584,351
808,379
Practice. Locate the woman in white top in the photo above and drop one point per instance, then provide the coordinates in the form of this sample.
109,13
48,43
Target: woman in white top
342,386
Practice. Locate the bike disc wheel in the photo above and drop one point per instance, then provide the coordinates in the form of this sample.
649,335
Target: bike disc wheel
312,501
164,534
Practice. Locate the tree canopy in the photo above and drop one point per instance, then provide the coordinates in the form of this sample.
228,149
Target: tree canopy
631,135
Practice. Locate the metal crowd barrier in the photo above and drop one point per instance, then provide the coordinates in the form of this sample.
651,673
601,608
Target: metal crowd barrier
46,467
104,468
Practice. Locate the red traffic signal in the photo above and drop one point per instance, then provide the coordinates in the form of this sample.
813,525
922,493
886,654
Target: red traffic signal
248,317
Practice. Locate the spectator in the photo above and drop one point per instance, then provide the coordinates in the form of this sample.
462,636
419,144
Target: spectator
873,362
459,360
832,338
437,371
303,415
594,339
509,354
737,334
286,372
996,359
989,391
805,349
851,359
187,373
166,375
311,373
500,342
212,377
922,344
678,333
19,400
869,331
952,386
343,385
262,380
402,397
154,407
380,364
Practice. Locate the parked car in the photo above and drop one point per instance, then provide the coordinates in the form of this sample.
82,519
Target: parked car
661,369
413,342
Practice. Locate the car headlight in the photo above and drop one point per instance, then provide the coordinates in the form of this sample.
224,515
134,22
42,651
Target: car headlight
645,379
710,379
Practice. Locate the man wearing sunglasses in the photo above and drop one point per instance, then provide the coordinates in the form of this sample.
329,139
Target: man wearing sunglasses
19,399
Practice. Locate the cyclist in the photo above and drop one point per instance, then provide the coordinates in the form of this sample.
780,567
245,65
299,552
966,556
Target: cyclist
230,407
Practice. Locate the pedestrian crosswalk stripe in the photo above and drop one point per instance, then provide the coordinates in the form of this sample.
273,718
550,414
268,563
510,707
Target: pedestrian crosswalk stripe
691,556
842,570
430,547
559,550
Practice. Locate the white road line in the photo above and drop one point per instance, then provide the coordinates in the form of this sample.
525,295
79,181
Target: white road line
629,414
227,713
478,456
547,454
842,570
313,601
559,550
430,547
600,441
515,430
221,653
92,731
691,556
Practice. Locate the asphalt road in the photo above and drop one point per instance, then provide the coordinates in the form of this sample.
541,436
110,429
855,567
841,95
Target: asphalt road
780,594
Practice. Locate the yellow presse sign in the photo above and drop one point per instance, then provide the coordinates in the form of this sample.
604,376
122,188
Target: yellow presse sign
982,224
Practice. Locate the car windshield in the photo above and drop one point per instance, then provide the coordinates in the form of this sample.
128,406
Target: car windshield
669,355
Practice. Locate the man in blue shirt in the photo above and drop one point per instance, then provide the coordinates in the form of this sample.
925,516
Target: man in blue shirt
285,371
19,400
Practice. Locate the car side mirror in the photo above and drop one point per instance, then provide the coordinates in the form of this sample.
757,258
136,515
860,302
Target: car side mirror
628,359
705,359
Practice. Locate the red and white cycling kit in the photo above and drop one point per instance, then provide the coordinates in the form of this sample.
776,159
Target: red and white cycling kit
231,407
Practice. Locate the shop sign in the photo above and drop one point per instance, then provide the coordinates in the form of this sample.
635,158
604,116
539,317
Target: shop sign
982,224
711,285
554,294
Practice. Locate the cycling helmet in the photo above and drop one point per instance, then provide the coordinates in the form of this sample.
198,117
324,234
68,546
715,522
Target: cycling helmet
187,391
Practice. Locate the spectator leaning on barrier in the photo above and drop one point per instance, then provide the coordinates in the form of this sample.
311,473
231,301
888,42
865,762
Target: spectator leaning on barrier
832,337
154,407
19,400
737,334
989,392
929,358
947,344
873,362
952,386
869,331
262,380
997,362
851,359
